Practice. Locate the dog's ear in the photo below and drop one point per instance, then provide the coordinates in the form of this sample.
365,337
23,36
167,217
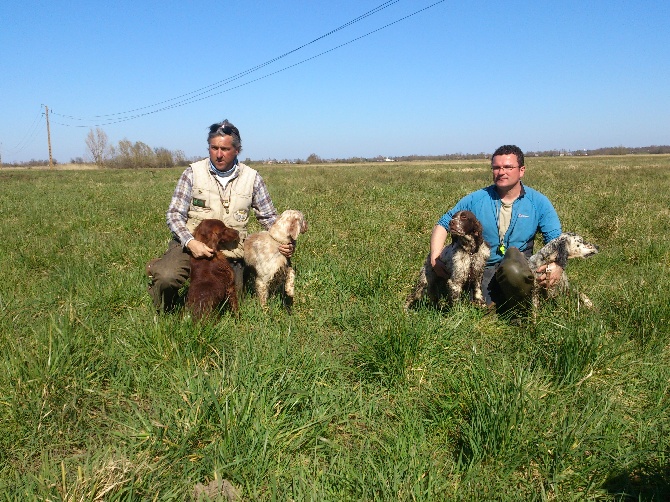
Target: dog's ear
477,230
199,232
294,228
562,253
230,235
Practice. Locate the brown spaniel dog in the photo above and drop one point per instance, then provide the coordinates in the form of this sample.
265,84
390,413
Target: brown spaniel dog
212,279
464,260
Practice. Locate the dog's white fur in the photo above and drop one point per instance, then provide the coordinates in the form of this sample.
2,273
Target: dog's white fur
464,260
261,252
566,246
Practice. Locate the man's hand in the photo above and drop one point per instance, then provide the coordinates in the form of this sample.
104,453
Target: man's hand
287,249
439,268
549,275
199,249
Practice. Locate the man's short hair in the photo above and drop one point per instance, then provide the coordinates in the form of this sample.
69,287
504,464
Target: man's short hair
225,128
509,150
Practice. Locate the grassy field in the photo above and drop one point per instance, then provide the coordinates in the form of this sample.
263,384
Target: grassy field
350,397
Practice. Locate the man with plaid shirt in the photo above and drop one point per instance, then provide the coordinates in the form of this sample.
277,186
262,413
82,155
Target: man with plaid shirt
219,187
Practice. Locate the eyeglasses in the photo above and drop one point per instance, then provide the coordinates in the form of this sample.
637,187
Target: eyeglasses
225,130
504,169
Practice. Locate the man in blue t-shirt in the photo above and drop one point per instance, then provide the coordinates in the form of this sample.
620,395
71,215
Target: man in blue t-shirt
511,215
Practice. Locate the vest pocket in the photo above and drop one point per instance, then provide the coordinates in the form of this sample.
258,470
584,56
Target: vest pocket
196,215
198,202
200,210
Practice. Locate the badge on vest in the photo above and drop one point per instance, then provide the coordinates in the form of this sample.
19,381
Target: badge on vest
198,202
241,215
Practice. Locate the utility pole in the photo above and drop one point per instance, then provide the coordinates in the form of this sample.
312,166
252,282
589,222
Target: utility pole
51,162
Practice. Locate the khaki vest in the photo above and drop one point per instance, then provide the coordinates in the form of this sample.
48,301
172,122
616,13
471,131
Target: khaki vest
230,205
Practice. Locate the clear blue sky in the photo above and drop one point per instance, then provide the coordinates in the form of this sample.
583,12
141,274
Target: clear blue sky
458,77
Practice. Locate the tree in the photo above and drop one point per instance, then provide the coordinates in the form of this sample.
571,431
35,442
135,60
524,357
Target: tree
179,158
129,155
163,157
96,141
143,155
314,159
123,154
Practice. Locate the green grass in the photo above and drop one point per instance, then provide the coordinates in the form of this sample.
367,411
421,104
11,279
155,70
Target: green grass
350,397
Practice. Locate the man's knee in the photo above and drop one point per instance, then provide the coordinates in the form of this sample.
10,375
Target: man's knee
166,276
164,290
514,277
169,278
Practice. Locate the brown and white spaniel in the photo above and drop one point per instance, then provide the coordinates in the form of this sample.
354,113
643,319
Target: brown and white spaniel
272,269
464,259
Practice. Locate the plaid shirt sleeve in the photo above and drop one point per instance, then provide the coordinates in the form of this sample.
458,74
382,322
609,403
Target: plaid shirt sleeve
177,213
266,214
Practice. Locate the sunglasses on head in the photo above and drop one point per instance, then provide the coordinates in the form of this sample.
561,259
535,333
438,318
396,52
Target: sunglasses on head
223,129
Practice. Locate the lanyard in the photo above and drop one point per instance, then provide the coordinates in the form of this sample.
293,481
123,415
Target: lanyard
225,195
505,238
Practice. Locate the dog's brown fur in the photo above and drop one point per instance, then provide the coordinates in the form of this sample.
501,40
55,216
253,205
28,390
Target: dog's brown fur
212,279
464,259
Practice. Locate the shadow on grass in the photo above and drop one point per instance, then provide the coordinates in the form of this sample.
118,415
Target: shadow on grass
642,482
387,354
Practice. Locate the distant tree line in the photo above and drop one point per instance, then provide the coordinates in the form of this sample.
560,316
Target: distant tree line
610,150
316,159
29,163
623,150
616,150
129,155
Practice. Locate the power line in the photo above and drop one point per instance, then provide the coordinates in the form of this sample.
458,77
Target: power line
237,76
205,93
29,136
